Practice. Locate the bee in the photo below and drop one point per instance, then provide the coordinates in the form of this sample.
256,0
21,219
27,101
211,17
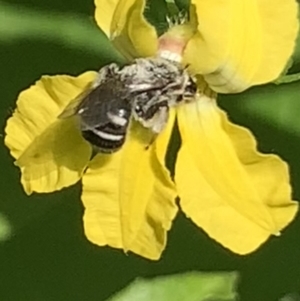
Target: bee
143,90
171,86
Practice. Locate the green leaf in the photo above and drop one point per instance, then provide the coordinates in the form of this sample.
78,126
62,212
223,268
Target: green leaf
296,55
70,30
184,287
276,105
183,4
287,79
5,228
155,13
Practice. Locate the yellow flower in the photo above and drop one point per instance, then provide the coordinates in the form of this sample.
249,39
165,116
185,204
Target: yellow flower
237,195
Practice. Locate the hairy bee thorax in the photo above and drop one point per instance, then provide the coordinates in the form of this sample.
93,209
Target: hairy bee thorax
170,86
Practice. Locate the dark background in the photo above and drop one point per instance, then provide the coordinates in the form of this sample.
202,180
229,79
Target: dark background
44,254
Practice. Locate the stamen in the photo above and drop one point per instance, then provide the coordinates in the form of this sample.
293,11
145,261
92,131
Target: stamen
178,19
172,43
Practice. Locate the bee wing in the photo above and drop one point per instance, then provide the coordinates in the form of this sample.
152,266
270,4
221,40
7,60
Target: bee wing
104,74
104,104
72,108
94,109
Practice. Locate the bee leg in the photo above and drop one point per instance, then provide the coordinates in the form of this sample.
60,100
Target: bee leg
158,120
157,123
188,98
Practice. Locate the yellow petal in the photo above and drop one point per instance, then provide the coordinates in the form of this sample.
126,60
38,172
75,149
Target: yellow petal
51,152
126,26
129,197
241,43
238,196
104,13
142,35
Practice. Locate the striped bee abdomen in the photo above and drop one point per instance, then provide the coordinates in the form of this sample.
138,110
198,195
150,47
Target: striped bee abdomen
104,141
110,136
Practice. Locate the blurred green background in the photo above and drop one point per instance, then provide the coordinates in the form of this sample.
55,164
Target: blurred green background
43,252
